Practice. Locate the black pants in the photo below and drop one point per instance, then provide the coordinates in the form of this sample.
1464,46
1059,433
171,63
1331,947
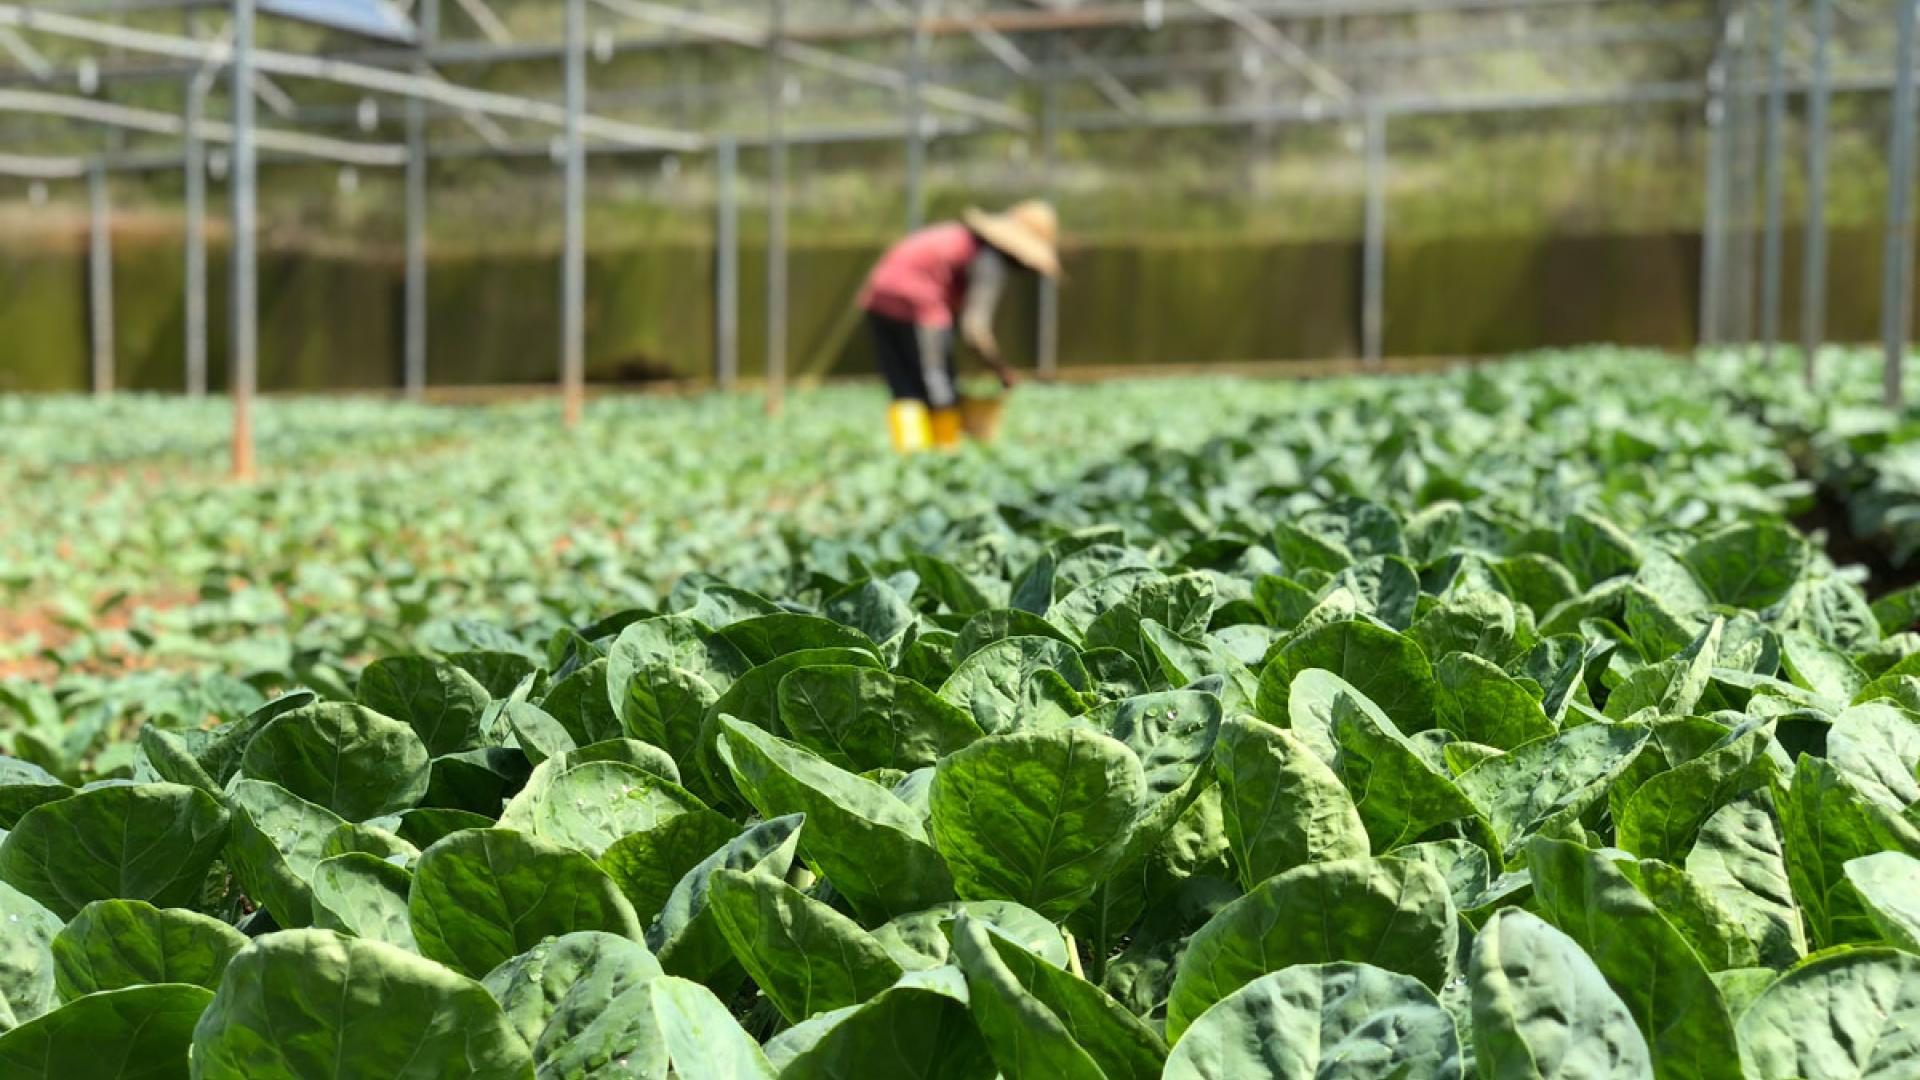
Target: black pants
917,362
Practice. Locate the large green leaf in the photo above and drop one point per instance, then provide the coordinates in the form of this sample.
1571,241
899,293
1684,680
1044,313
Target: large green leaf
134,842
1402,794
1337,1021
582,1002
806,957
1041,1021
483,896
361,894
1171,732
1878,747
24,785
1827,822
919,940
1667,812
114,944
27,976
1852,1015
1481,703
344,757
1018,682
1750,565
1541,1009
687,934
443,703
588,807
860,718
135,1033
1281,805
648,864
1387,668
1557,778
1739,859
914,1031
1889,886
1390,913
276,840
1036,817
314,1005
859,836
1645,960
701,1037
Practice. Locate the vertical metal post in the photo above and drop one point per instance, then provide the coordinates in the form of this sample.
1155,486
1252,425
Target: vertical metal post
1813,278
1897,273
246,328
776,212
1047,348
1776,151
1374,267
1713,239
573,258
414,359
726,265
195,286
100,277
917,118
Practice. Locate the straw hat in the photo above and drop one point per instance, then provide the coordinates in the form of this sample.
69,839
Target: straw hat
1027,231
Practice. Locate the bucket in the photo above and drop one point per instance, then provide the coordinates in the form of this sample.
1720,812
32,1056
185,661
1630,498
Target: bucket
981,416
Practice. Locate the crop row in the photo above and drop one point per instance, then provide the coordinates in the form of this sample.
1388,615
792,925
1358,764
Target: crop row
1490,725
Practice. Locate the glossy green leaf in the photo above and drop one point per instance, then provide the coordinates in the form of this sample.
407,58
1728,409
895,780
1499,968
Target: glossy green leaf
135,1033
315,1005
1645,960
1387,668
441,702
1337,1021
277,838
366,896
806,957
582,1003
1852,1015
1889,886
1282,806
860,718
115,944
133,842
1541,1009
859,836
1041,1021
483,896
1385,912
1036,817
27,976
346,758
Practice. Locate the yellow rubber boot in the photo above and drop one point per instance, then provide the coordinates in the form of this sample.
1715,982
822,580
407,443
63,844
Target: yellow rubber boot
907,422
947,428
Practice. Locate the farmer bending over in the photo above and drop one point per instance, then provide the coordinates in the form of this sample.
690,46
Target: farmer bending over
956,269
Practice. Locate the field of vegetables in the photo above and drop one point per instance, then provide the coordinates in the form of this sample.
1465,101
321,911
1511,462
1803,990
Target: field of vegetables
1497,724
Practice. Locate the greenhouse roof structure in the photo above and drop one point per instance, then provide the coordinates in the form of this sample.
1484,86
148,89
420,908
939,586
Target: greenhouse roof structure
93,87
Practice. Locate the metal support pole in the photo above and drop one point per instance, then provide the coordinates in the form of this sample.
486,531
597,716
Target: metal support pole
1813,277
245,345
196,283
1776,151
573,260
100,277
776,213
195,286
1374,266
917,119
1713,239
1047,349
726,265
1897,274
415,358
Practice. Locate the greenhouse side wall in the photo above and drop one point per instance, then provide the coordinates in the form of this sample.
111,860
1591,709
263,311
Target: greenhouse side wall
333,321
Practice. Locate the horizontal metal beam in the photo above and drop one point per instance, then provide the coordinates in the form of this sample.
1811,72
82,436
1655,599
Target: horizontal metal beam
33,167
345,73
727,31
129,118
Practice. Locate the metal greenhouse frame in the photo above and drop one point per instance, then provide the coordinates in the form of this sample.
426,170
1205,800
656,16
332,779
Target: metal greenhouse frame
1755,55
